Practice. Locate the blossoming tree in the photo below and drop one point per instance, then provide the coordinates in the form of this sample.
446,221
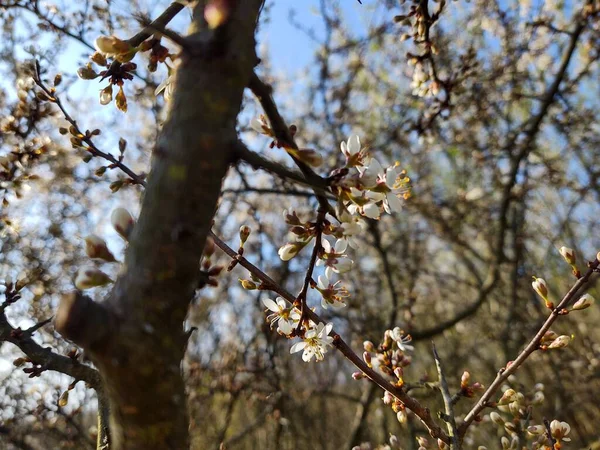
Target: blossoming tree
382,246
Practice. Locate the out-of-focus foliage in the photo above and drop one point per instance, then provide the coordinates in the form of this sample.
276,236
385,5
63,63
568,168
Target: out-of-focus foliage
492,111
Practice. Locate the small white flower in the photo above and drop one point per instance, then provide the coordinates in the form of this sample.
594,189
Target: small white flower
559,430
331,295
334,258
402,340
316,342
354,153
371,174
285,317
352,147
352,227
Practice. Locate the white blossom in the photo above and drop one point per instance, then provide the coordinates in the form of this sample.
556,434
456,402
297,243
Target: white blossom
286,317
559,430
315,343
331,294
402,340
334,258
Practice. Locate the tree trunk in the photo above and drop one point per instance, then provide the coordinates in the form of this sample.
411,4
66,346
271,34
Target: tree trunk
136,336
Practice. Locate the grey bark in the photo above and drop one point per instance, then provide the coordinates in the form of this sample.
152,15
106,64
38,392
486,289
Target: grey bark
139,344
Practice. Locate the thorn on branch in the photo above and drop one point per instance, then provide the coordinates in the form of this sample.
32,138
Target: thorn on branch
37,326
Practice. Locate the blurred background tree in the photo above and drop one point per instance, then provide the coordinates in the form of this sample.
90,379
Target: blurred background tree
490,106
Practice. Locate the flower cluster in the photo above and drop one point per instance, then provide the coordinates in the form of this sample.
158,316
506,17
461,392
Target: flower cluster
390,358
286,317
371,187
111,48
513,419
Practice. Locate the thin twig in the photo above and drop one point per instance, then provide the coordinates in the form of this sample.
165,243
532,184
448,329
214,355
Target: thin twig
449,417
53,98
533,345
412,404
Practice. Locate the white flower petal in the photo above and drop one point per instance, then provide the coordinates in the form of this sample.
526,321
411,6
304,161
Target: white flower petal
394,203
353,144
298,346
329,272
270,305
323,282
371,210
340,246
284,326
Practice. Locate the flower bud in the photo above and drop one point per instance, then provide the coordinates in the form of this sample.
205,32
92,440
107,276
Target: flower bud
508,396
367,358
111,45
548,337
584,302
358,375
106,95
540,286
401,416
95,247
560,342
247,284
368,346
496,418
536,430
87,73
464,379
91,277
121,100
568,254
514,408
399,372
244,234
288,251
538,398
388,398
122,222
308,156
99,59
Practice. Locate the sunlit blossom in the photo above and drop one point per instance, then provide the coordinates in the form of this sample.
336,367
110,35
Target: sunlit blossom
331,294
285,317
315,343
334,258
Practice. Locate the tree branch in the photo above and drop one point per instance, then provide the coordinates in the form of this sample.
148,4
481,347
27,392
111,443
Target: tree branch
533,345
420,411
